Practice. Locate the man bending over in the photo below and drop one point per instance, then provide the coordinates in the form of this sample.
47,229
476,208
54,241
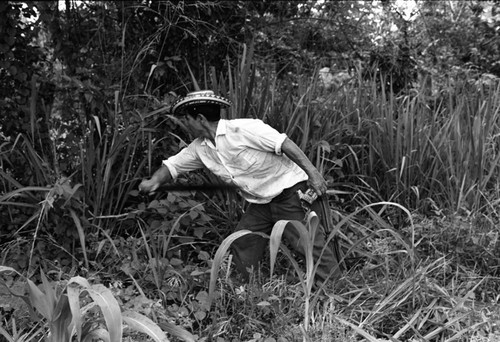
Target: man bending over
266,167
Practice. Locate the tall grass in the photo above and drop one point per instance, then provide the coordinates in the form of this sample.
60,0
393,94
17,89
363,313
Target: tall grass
447,154
409,149
427,154
81,182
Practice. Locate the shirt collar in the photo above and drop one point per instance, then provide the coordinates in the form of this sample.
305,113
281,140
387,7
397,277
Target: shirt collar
221,130
221,127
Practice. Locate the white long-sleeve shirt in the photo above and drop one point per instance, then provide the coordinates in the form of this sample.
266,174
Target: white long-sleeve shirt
247,153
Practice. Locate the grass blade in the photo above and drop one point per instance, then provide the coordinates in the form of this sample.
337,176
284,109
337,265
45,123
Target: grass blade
81,235
74,305
8,269
275,241
409,324
218,258
6,335
177,331
358,330
143,324
444,327
74,302
110,310
39,300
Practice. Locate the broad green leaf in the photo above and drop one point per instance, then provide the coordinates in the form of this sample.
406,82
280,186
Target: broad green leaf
8,269
219,256
143,324
311,227
295,265
306,237
60,325
39,300
202,298
85,309
80,281
110,310
96,335
275,241
200,315
307,245
74,303
312,223
50,295
177,331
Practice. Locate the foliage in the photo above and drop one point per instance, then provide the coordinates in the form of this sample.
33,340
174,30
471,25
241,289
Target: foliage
20,62
61,312
412,119
307,234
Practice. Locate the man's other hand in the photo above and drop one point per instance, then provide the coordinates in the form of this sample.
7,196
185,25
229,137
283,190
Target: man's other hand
318,183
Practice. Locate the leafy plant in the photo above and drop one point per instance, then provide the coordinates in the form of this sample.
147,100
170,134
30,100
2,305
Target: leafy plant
58,306
307,233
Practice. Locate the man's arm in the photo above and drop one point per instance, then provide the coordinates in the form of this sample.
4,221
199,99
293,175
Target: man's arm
161,176
316,180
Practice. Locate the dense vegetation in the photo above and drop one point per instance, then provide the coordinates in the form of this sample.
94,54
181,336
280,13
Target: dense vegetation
405,125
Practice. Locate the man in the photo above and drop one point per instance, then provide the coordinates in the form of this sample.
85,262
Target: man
266,166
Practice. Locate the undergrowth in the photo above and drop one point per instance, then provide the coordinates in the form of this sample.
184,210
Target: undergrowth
414,200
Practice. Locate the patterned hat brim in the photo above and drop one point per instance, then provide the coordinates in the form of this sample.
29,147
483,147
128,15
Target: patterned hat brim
199,97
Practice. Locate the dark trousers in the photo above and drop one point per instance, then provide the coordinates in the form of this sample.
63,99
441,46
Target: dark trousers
249,249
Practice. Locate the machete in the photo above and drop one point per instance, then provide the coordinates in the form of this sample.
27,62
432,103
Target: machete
214,187
195,187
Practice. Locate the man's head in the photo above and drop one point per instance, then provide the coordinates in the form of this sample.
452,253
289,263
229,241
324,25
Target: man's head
203,102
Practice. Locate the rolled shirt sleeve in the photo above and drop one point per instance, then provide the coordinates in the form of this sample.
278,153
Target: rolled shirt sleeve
184,161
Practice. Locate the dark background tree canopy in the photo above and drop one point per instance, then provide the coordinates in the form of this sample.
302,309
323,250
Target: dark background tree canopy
113,45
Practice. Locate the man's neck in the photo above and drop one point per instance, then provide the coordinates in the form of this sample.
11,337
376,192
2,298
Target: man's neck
211,130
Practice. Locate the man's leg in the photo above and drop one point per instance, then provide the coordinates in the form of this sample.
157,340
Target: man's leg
288,207
248,250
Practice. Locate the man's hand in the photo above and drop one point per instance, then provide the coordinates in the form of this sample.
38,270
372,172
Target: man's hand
318,183
148,186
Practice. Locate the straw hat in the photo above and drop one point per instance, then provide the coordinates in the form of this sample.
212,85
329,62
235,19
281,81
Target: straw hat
200,98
